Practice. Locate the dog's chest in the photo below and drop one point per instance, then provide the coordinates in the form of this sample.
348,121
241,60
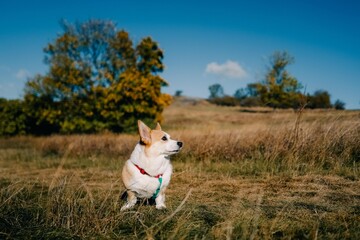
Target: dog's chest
146,186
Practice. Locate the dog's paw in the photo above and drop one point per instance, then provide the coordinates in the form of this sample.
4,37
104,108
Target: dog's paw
160,206
126,206
123,208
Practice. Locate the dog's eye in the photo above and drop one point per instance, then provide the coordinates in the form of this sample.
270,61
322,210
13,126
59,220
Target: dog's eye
164,138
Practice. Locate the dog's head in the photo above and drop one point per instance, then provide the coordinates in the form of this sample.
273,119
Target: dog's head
157,142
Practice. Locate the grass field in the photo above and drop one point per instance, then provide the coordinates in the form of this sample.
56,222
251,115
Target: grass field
243,174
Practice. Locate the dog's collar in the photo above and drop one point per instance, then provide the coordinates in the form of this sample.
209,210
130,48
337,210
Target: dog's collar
143,172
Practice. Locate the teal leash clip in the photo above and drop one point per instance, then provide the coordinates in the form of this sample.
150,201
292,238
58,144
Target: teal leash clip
158,189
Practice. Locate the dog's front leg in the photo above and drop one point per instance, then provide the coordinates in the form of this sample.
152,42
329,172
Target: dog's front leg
160,200
130,201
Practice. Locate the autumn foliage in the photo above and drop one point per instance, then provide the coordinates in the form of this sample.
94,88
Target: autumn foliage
97,80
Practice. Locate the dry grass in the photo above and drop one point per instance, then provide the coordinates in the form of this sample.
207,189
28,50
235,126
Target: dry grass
243,174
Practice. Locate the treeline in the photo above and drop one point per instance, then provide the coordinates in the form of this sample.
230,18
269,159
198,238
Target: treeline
97,80
278,90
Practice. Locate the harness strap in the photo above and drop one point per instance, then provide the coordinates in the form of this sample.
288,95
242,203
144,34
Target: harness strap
159,177
158,189
143,172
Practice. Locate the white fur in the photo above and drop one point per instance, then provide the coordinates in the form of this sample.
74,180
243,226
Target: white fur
154,159
144,185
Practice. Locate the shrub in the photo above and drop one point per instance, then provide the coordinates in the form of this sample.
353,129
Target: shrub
12,117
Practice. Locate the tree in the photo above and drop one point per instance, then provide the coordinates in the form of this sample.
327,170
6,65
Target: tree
122,56
149,57
279,89
13,119
320,99
216,91
240,94
140,97
178,93
97,80
339,105
252,89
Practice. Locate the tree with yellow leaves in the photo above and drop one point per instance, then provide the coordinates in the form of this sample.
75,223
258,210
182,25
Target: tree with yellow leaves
97,81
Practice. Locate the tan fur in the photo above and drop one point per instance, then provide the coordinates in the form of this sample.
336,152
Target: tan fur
127,174
156,135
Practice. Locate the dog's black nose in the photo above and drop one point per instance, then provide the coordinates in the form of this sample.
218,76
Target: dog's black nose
180,144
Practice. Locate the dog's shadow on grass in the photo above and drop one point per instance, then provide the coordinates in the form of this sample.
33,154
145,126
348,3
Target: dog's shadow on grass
140,201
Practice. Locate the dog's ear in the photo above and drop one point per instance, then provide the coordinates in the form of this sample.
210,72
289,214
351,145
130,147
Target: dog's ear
144,132
158,127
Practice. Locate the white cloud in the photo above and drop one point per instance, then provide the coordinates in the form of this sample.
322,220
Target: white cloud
22,73
229,69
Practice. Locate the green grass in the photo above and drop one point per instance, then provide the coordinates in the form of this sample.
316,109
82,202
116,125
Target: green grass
241,175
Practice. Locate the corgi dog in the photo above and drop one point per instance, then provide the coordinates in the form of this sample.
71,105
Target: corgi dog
148,171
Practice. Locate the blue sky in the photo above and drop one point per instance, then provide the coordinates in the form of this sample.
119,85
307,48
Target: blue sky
205,42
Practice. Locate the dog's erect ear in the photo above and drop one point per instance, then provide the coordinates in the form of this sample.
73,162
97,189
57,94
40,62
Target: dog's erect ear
158,127
144,131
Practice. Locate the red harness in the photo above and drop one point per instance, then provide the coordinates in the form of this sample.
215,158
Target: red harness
143,172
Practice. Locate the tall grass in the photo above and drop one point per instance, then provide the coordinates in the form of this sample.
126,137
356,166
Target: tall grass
316,148
243,174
